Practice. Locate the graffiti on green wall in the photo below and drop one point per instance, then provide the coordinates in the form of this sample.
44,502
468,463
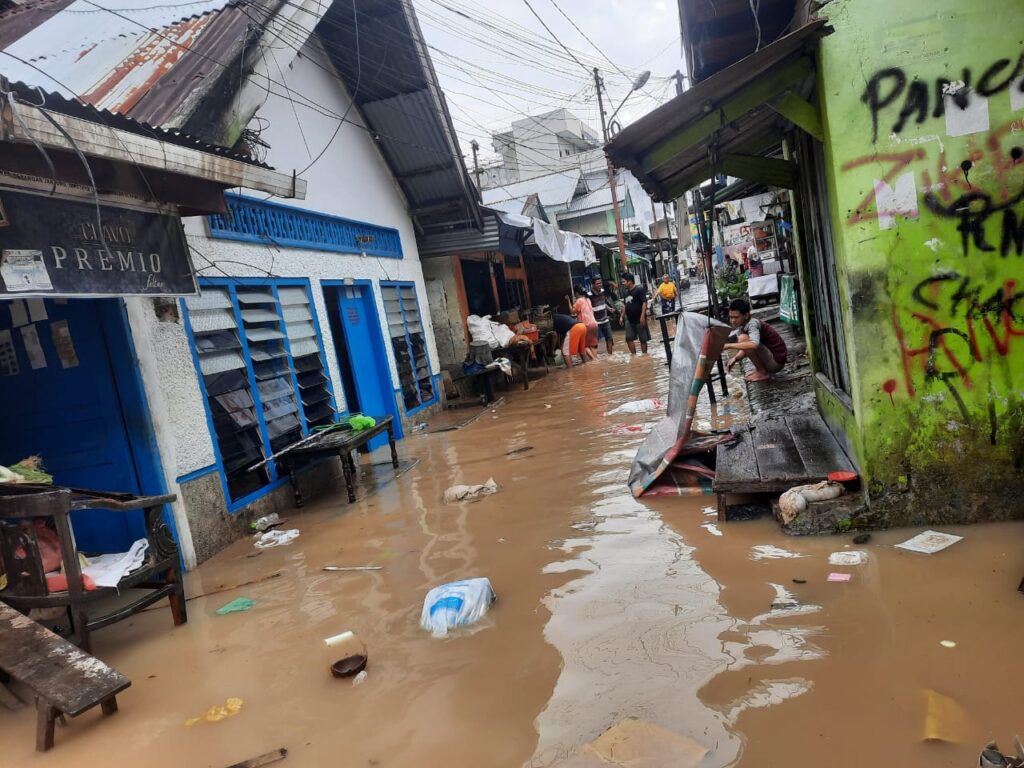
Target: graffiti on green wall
930,182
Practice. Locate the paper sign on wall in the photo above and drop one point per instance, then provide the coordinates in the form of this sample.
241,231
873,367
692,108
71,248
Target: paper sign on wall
19,313
8,357
62,341
24,270
36,310
30,338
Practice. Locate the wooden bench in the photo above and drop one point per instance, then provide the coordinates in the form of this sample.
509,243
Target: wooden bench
159,575
64,679
776,455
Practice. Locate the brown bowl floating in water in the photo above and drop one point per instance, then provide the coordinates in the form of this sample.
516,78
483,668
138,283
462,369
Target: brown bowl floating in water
349,666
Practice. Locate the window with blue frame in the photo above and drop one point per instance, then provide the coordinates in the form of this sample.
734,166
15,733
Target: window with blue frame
409,342
262,372
266,221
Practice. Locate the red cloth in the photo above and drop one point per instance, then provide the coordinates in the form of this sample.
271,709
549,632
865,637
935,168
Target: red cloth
58,582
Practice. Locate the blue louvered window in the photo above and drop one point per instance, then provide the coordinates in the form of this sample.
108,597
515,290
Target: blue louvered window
261,221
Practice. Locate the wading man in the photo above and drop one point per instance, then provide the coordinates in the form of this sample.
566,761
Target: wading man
756,341
634,314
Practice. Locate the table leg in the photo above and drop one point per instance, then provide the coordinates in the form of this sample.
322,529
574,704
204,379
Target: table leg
346,468
391,443
721,375
45,717
293,480
489,386
722,509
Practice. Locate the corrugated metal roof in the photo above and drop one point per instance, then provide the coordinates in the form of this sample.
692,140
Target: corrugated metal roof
402,102
597,200
466,240
555,191
635,145
153,63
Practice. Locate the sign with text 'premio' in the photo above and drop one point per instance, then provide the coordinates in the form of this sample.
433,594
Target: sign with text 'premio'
55,246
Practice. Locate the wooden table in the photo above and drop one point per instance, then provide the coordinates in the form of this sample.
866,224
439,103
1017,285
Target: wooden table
340,442
519,355
777,455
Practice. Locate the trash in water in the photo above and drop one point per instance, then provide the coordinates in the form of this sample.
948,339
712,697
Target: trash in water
712,529
862,538
352,568
459,493
991,757
260,760
799,581
267,521
945,720
638,406
524,449
853,557
929,542
276,538
237,605
359,679
839,577
456,604
420,427
350,666
947,643
709,511
771,552
547,405
215,714
795,500
631,429
343,637
635,742
784,599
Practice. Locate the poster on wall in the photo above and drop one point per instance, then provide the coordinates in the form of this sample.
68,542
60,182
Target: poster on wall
64,344
57,246
34,350
8,357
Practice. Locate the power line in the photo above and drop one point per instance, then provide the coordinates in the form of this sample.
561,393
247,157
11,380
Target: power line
555,37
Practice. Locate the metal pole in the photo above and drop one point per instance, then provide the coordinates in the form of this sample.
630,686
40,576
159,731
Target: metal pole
611,176
476,166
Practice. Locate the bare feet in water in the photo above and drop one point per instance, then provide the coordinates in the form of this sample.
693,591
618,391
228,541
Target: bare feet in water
757,376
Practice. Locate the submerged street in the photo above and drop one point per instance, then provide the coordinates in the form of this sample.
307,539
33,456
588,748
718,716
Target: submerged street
608,608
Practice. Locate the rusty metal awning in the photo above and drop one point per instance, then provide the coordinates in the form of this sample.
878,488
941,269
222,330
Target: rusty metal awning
740,113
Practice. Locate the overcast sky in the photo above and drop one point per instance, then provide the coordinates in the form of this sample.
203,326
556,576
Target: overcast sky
500,64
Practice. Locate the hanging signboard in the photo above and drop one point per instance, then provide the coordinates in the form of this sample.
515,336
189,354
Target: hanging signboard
55,246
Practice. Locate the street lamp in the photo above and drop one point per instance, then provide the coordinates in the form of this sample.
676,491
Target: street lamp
637,85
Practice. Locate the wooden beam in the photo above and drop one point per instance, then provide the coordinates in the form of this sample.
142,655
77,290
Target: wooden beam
97,140
800,112
766,170
702,172
719,115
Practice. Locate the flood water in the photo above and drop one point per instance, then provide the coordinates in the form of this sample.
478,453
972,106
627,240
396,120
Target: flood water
608,608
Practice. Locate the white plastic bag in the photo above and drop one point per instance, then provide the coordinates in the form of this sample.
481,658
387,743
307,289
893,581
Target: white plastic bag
639,406
456,604
480,330
502,333
276,538
457,493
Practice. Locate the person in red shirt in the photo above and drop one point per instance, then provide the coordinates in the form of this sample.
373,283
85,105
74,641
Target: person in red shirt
756,341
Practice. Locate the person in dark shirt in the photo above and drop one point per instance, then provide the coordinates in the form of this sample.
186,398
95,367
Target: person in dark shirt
634,314
572,338
756,341
601,303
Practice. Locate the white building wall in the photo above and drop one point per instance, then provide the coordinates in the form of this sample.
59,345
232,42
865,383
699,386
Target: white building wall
350,180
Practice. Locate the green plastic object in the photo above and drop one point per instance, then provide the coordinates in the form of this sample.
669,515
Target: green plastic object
360,422
237,605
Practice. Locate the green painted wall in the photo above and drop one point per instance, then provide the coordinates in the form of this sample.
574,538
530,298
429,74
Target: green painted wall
928,214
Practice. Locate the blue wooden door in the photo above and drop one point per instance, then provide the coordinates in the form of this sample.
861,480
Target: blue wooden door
67,409
364,344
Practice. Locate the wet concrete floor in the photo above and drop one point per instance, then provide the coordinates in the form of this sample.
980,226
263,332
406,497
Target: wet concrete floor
608,608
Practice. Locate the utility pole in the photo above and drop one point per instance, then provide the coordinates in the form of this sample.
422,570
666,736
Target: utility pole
679,82
476,165
611,175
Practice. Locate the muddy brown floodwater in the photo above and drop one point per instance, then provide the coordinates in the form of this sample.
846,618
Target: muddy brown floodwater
609,608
